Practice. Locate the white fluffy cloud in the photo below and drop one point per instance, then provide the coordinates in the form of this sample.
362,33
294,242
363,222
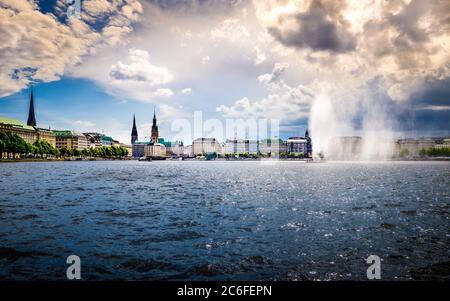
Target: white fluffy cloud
84,123
186,91
284,102
38,47
139,68
138,78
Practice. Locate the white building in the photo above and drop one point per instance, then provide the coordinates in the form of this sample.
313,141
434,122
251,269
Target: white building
187,151
175,148
241,146
296,145
155,150
272,146
206,145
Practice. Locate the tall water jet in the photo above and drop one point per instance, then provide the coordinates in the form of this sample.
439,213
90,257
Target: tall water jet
336,137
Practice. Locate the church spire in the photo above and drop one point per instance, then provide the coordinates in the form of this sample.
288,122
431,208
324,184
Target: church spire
31,117
134,133
155,133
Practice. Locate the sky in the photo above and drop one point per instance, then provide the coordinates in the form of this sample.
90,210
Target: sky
335,67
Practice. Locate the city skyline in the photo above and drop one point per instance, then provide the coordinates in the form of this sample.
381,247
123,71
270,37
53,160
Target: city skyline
230,60
229,147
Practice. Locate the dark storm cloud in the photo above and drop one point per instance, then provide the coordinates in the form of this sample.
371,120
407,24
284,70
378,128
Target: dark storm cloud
408,32
426,110
433,93
319,28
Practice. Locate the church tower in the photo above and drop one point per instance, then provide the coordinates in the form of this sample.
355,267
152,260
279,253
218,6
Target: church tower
155,133
134,133
31,118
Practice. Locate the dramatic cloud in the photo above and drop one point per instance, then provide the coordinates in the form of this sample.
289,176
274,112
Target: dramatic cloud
361,65
321,27
284,102
277,71
36,46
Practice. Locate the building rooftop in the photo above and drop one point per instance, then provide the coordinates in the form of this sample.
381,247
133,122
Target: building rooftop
272,140
107,138
66,133
296,139
205,139
15,123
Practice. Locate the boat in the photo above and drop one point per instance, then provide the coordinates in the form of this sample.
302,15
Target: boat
145,159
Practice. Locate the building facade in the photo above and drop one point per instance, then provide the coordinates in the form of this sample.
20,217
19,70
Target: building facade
173,148
296,145
272,147
27,133
202,146
241,146
93,139
137,149
155,150
413,147
71,140
187,151
46,135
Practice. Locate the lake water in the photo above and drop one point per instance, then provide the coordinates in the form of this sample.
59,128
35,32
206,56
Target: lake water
224,220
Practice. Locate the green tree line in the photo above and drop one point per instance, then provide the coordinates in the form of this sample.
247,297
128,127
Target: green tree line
435,152
100,152
12,145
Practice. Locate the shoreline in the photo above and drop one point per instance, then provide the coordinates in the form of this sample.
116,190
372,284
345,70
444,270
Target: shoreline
440,159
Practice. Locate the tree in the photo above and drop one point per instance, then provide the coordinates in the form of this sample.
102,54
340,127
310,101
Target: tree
436,152
85,152
114,151
2,148
245,154
404,153
282,155
107,151
292,155
13,144
42,147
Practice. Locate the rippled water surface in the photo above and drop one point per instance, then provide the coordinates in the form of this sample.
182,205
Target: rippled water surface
224,220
